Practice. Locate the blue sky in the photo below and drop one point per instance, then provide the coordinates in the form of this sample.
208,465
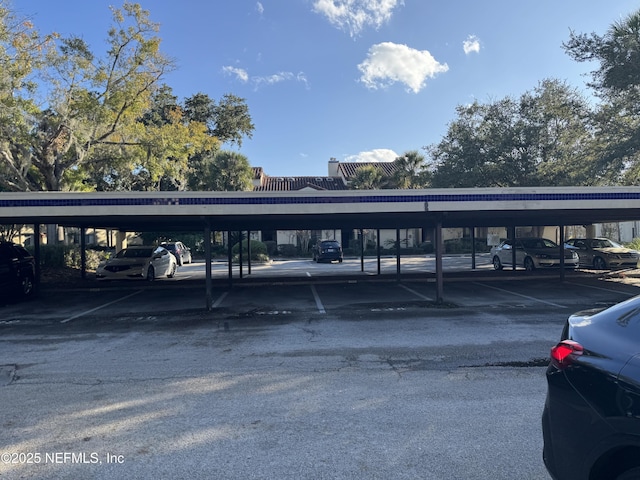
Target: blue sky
351,79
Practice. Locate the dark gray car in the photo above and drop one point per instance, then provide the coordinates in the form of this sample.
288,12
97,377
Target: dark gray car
17,271
327,251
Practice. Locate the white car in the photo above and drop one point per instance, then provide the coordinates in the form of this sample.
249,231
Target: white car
146,263
532,253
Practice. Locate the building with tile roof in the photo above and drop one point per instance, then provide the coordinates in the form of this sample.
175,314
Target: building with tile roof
347,170
340,175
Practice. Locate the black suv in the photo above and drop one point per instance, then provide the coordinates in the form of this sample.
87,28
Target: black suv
327,250
17,271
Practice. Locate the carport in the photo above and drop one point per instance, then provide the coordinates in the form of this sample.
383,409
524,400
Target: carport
300,210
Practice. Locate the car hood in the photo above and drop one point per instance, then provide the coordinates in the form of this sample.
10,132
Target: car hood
613,250
552,252
127,261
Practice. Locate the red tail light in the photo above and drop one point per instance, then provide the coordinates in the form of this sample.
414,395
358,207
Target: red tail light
564,352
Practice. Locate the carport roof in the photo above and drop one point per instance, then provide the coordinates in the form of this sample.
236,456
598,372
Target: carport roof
139,211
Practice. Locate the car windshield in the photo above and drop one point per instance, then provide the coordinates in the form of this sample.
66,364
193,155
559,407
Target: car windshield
603,243
135,253
330,244
538,243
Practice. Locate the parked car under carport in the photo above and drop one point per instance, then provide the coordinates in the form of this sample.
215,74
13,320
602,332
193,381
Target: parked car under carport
603,253
138,262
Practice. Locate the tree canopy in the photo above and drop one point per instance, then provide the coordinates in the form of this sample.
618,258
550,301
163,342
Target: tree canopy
541,138
616,81
110,122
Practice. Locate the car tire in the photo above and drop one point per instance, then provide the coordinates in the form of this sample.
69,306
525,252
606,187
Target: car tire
172,273
599,263
497,264
529,266
27,286
151,273
631,474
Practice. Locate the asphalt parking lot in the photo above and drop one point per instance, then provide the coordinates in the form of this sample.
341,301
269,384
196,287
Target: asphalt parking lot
303,289
345,376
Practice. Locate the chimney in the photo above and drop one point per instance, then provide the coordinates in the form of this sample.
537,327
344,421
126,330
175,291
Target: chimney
333,167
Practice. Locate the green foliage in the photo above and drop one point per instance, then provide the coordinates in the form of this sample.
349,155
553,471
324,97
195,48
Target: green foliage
542,138
367,177
60,256
411,171
617,52
633,244
287,250
272,247
464,245
256,247
224,171
110,124
72,258
232,120
616,80
258,251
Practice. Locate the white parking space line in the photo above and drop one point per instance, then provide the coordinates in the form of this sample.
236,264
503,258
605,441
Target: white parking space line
603,289
520,295
78,315
416,293
220,299
318,301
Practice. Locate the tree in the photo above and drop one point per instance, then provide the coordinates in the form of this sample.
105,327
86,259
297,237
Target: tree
411,171
617,83
92,104
542,138
485,146
229,120
617,51
367,177
563,121
224,171
22,52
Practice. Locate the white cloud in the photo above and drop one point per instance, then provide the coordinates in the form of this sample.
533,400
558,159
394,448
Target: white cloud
376,155
280,77
240,73
471,45
355,15
259,81
260,8
388,63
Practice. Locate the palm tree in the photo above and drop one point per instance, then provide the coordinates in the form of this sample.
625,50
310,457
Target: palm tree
411,171
367,177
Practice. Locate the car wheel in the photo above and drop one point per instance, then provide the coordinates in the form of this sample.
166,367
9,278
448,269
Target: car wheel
151,273
631,474
599,263
497,264
529,266
27,285
172,273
